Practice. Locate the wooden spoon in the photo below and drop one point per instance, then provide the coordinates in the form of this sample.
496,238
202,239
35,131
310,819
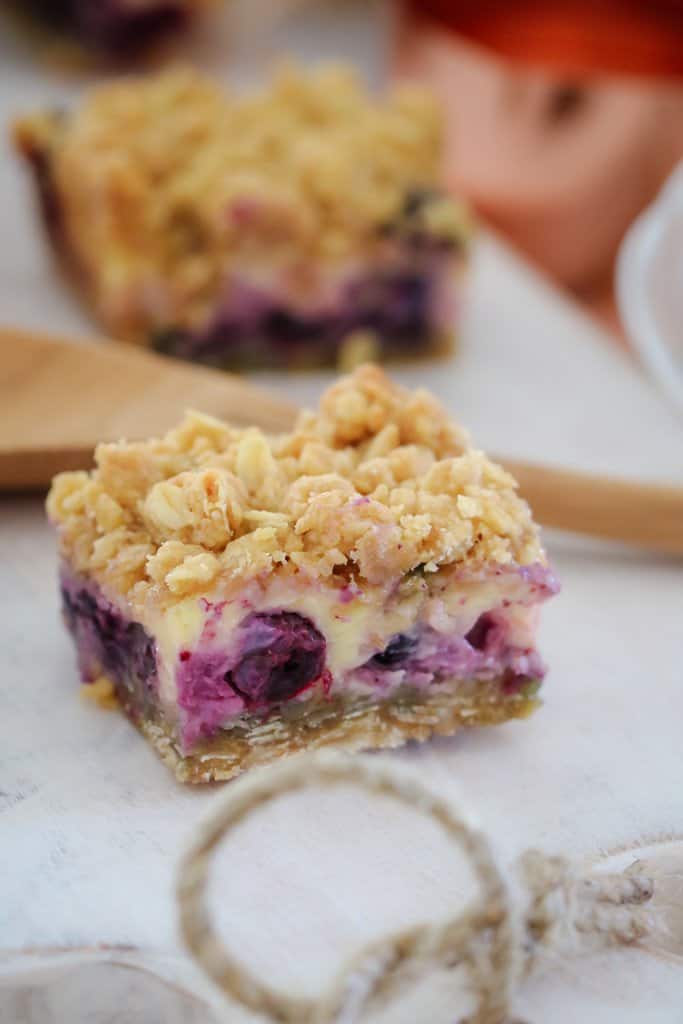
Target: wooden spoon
59,399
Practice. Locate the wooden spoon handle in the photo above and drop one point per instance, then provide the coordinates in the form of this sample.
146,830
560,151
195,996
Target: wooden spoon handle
646,515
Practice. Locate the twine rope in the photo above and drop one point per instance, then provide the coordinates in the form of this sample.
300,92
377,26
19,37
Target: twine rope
564,912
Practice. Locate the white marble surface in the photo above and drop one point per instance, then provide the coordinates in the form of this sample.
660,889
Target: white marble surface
91,823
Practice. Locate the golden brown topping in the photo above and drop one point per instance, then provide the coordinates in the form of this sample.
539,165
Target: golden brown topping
377,483
358,408
204,507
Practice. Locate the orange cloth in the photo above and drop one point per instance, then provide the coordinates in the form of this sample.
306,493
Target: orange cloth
632,36
562,140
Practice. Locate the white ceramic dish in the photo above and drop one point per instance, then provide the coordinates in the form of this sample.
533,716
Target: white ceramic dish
650,287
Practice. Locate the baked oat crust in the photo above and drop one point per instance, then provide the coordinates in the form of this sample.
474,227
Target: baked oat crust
365,726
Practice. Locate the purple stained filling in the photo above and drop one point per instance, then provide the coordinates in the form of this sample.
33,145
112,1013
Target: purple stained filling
543,582
253,328
485,653
110,644
115,26
480,632
279,655
206,700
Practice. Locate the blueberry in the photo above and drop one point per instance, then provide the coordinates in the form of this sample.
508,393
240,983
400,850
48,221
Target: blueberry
143,657
479,633
284,327
123,648
399,649
283,653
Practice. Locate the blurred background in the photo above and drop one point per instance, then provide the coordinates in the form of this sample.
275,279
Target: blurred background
573,120
563,119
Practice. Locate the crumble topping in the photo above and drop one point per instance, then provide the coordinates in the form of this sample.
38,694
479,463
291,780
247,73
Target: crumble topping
170,179
379,481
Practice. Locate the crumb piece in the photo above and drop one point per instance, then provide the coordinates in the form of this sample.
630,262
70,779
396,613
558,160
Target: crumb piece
101,692
358,348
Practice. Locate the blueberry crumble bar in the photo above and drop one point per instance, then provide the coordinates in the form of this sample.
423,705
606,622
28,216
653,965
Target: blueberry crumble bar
114,28
302,226
366,579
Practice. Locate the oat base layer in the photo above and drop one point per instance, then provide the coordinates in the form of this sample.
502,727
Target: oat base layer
363,725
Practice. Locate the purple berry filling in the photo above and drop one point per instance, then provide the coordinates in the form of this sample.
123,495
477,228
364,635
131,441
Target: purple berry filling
253,328
280,654
277,655
205,698
543,583
121,28
113,26
283,653
485,653
109,644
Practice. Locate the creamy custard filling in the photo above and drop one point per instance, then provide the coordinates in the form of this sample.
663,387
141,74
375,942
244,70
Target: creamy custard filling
207,664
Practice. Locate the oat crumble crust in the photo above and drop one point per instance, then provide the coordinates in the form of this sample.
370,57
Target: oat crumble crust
377,482
170,177
363,726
